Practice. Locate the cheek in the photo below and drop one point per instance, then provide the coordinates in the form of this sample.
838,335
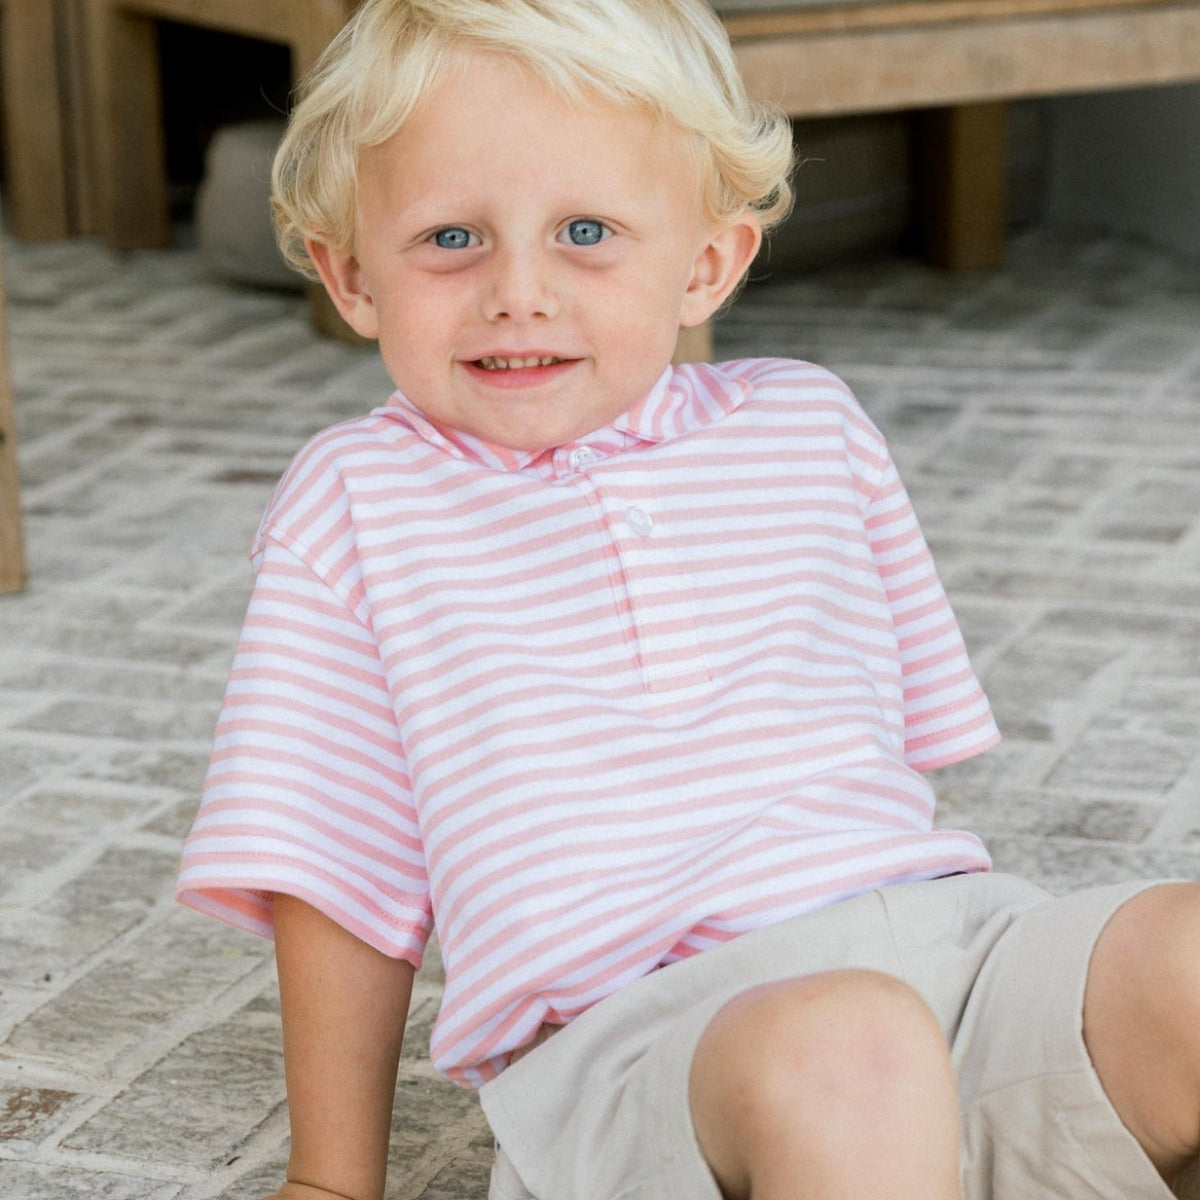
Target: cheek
431,304
647,301
407,341
408,319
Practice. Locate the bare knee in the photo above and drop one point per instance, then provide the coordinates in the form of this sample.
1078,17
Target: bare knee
1142,1019
1148,957
822,1070
1179,918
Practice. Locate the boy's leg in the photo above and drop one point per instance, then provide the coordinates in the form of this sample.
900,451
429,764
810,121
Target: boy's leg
1142,1020
1002,965
806,1086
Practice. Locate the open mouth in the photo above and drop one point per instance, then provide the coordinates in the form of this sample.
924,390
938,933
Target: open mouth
517,364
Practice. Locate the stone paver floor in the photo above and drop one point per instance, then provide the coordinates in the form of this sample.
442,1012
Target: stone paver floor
1046,418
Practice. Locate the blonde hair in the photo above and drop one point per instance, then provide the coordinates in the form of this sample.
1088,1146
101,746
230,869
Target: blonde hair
671,56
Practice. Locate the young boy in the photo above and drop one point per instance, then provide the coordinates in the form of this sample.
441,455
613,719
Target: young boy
626,676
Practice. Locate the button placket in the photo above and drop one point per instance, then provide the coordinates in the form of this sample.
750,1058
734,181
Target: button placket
657,599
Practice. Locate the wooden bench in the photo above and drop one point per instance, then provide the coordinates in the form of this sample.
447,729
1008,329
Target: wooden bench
956,60
959,60
125,91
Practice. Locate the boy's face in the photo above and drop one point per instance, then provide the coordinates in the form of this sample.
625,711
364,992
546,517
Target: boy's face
525,261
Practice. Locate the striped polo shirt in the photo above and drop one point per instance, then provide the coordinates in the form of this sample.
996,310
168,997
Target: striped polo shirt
594,709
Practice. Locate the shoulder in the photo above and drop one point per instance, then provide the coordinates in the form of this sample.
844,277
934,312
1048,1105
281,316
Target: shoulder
801,393
316,487
807,413
794,372
790,382
353,445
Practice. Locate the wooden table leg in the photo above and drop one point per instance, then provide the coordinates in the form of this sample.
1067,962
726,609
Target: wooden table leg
128,126
37,208
964,185
12,557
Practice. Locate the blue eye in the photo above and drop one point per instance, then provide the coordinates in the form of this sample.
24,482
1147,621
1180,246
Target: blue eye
586,233
454,238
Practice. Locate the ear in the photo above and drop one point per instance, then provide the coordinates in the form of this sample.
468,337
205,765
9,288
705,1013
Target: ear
718,269
343,280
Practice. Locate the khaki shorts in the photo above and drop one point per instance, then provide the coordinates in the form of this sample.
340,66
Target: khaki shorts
600,1111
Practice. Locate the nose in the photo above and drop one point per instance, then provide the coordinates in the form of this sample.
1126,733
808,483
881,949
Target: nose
521,285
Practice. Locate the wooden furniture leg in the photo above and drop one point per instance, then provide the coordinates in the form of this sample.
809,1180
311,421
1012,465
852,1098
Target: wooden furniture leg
37,205
129,142
12,557
963,185
124,75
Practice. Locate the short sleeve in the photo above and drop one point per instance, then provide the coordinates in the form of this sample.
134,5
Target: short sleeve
307,792
947,717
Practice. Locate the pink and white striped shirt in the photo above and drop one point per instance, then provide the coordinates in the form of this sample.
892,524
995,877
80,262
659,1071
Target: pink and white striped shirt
596,709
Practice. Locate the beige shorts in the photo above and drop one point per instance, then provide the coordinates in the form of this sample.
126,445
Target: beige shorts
600,1111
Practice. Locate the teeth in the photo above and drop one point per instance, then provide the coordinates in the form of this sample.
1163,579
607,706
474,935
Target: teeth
512,364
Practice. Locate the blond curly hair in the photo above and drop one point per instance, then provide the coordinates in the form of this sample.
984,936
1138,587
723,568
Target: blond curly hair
670,56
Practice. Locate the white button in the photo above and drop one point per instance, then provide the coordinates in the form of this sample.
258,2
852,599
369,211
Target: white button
581,456
639,521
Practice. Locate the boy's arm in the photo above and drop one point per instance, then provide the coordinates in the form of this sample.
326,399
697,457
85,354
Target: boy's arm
344,1009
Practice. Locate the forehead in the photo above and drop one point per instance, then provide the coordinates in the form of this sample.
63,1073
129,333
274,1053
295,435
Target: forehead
489,115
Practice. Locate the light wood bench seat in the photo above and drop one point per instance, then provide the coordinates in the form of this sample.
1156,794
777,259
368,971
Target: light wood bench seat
961,60
958,61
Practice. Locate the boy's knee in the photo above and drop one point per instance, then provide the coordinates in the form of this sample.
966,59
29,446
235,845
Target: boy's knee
1141,1019
1181,954
837,1054
1151,950
1182,919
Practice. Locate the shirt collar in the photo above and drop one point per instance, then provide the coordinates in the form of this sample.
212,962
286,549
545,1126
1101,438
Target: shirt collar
685,399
